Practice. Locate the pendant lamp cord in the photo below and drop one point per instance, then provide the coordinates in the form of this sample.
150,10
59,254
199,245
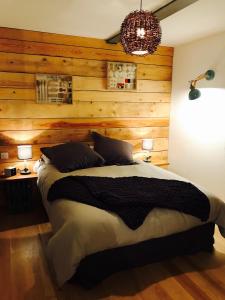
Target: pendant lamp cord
141,5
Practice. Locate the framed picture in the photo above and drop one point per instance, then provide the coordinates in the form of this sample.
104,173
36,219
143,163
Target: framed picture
121,76
51,88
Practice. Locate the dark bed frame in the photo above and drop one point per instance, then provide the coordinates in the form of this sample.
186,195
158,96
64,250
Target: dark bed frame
96,267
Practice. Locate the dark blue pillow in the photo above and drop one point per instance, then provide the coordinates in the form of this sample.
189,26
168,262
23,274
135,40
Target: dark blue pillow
114,152
72,156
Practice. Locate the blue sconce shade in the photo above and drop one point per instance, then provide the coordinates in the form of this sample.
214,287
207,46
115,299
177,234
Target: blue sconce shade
195,93
209,75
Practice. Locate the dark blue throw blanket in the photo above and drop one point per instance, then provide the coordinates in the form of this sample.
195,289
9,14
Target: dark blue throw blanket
132,198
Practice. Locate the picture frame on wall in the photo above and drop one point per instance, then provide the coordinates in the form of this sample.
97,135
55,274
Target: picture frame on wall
54,88
121,76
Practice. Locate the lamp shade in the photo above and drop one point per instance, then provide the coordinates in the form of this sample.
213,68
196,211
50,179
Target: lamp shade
24,151
147,144
140,33
209,75
194,94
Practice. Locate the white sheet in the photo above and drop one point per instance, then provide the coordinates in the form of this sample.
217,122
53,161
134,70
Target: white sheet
80,229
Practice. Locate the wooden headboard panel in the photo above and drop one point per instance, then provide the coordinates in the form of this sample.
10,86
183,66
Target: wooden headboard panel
127,115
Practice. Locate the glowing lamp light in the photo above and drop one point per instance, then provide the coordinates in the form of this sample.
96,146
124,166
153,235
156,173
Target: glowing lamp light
24,152
147,145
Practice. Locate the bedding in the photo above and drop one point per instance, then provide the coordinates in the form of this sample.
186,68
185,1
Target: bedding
80,230
132,198
96,267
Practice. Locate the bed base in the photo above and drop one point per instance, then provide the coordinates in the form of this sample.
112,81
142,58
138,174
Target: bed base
96,267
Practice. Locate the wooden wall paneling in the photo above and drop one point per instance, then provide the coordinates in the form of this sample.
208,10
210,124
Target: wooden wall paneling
60,39
46,136
83,83
17,80
160,144
13,62
154,72
66,135
137,133
114,96
132,116
30,94
28,35
159,155
17,94
14,124
100,84
26,109
32,124
27,47
150,86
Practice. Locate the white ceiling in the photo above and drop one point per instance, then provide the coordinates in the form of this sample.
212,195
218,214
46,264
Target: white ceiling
102,18
202,18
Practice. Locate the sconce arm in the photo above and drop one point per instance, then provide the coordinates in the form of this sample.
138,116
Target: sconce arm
192,84
207,75
200,77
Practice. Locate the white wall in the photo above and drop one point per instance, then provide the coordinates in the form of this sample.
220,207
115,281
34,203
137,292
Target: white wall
197,127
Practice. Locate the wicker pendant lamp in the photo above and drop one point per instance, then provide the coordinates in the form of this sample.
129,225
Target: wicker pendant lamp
140,33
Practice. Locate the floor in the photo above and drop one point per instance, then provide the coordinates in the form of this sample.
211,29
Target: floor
24,274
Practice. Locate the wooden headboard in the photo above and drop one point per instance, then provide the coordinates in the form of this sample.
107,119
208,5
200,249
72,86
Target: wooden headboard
127,115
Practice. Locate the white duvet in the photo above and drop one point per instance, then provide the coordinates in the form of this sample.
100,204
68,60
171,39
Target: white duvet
80,229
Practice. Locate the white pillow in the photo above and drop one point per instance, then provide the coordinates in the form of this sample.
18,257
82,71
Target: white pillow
45,159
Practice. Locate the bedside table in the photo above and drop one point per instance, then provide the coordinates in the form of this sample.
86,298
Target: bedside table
18,190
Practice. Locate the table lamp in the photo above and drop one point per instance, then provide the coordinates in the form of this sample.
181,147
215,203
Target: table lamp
24,152
147,144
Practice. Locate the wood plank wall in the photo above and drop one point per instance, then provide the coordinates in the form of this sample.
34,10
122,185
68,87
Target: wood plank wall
130,116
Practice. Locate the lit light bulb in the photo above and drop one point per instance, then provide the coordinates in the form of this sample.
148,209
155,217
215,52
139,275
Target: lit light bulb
141,32
139,52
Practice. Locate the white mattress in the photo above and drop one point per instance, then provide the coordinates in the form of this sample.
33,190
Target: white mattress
80,229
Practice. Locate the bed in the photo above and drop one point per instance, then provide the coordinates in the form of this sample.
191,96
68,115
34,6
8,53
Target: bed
89,244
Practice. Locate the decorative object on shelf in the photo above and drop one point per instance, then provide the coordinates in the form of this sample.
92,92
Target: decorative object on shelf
121,76
140,32
147,145
25,152
9,171
52,88
195,93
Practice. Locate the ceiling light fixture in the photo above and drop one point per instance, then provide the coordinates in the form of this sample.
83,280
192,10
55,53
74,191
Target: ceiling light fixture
195,93
140,32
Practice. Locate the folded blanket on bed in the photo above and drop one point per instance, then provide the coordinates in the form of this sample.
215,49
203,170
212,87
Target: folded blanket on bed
132,198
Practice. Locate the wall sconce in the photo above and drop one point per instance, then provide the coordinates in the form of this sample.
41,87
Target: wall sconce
195,93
